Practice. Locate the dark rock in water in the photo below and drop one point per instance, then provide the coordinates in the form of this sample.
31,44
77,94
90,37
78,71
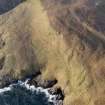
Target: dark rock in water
58,92
55,90
60,96
60,102
39,82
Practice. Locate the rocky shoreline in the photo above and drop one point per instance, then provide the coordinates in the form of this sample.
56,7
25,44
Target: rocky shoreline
37,81
49,84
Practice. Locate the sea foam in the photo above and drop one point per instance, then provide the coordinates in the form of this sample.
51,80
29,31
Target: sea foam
51,98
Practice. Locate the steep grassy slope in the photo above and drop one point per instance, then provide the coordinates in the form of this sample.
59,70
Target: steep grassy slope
53,36
82,24
17,50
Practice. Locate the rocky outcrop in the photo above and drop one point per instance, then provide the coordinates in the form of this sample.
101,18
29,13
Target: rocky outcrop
58,92
38,81
49,84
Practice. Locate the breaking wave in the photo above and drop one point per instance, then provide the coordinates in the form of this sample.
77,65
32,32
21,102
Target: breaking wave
50,99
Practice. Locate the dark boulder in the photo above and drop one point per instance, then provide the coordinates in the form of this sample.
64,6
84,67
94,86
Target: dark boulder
60,102
47,83
58,92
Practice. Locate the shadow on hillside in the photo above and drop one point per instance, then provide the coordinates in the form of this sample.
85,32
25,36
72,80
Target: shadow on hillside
69,14
6,5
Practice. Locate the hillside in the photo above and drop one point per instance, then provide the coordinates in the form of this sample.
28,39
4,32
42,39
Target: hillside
62,39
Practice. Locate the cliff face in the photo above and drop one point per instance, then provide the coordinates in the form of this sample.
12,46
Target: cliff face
63,39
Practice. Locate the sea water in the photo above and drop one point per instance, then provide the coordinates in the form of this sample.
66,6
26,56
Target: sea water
21,93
